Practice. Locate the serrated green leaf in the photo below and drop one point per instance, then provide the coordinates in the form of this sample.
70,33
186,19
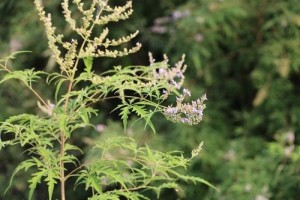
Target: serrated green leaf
91,179
94,183
26,76
88,62
25,165
128,195
115,175
5,143
149,122
36,178
85,118
62,121
14,75
57,89
20,118
200,180
140,110
28,137
38,162
125,111
51,182
81,178
105,196
69,159
165,186
69,147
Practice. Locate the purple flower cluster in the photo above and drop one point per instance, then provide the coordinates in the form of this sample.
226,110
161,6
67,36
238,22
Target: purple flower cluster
161,24
170,80
187,113
173,77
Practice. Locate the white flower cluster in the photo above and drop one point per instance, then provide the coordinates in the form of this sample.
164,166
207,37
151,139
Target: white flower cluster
188,113
196,152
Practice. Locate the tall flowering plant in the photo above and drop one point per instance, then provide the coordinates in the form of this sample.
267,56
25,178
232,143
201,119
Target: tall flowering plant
142,90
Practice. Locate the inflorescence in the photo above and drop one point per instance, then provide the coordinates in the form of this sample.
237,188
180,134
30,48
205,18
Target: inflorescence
187,113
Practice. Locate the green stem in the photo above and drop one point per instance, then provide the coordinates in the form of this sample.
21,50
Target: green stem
62,170
62,135
29,87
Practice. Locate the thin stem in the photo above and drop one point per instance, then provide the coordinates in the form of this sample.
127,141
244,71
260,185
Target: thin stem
29,87
72,172
62,170
38,96
62,135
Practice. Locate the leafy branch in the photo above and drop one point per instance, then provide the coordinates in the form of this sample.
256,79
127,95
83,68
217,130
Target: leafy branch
142,91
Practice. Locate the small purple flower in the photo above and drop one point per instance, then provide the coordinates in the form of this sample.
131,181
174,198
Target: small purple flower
198,37
171,111
187,113
100,128
179,75
185,120
161,71
159,29
195,110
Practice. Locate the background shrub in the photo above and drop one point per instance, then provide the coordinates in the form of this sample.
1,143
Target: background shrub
243,54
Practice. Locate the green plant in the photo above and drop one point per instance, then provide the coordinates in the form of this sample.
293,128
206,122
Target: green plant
121,167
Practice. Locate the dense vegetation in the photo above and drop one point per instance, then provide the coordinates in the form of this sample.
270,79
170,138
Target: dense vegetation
244,55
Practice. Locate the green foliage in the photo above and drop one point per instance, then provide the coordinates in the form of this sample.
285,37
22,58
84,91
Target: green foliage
145,169
122,169
246,55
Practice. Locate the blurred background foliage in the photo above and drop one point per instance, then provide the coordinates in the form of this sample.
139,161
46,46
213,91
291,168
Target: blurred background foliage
245,55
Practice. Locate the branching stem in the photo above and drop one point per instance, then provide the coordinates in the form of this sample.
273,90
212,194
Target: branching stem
62,135
29,87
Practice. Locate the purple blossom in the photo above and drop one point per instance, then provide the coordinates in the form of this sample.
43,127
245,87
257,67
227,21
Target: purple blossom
184,120
159,29
171,110
198,37
161,71
177,14
187,113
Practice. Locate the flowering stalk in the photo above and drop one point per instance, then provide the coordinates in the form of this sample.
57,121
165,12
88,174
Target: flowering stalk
49,136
